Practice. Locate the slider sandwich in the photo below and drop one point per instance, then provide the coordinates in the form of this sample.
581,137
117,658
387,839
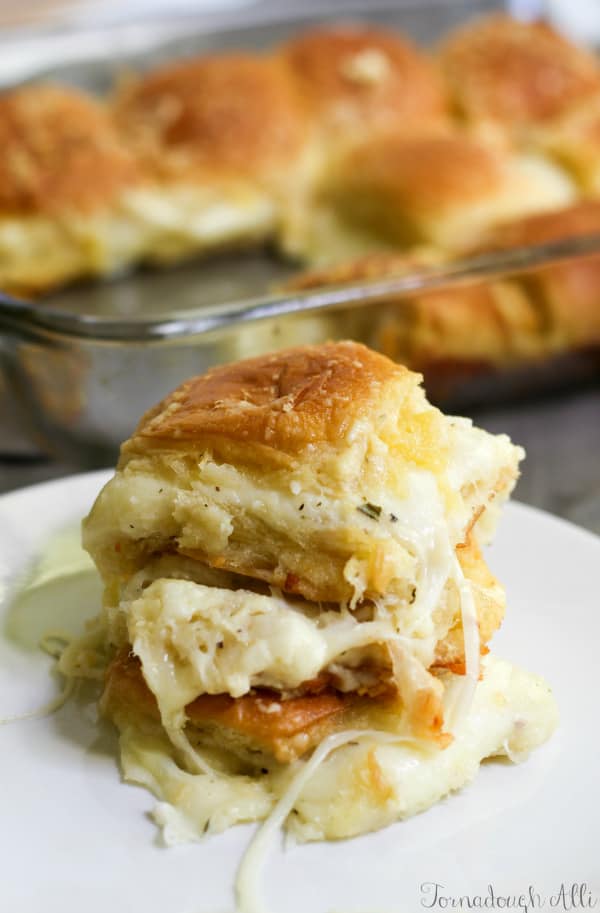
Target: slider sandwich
437,187
509,77
65,182
291,552
458,332
223,139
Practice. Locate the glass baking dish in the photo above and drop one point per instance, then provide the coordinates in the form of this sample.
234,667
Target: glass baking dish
80,367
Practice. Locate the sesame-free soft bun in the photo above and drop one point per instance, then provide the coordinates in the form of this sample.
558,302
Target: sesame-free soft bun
303,469
515,74
295,514
224,140
357,78
216,116
460,329
574,142
273,406
60,153
565,292
440,187
63,174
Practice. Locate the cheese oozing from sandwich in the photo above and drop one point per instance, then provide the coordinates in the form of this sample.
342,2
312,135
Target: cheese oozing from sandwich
291,551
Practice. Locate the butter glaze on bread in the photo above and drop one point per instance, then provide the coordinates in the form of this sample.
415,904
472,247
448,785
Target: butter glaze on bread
60,153
282,402
224,138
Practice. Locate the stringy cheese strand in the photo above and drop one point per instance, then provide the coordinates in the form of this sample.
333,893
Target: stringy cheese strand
60,700
46,709
472,647
249,870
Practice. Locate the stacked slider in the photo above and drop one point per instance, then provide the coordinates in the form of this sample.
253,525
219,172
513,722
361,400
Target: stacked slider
291,548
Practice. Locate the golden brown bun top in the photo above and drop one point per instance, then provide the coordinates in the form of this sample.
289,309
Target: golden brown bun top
234,113
429,325
358,78
516,73
283,401
58,151
569,287
427,172
571,222
376,265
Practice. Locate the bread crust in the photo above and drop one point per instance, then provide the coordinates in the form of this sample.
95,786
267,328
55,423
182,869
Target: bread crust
260,723
281,402
566,293
60,153
221,116
514,73
482,325
424,173
354,78
441,187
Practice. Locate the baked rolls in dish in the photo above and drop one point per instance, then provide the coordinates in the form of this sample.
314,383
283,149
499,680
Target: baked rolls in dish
513,76
566,294
291,552
343,140
64,174
355,79
439,188
455,331
223,139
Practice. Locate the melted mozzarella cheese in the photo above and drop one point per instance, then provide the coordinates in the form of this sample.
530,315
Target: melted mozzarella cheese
159,224
358,787
177,220
194,639
250,869
461,702
142,503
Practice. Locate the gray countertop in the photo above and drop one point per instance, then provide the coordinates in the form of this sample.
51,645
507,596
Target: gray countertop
561,435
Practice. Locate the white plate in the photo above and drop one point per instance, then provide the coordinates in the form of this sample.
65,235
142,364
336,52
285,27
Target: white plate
74,839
